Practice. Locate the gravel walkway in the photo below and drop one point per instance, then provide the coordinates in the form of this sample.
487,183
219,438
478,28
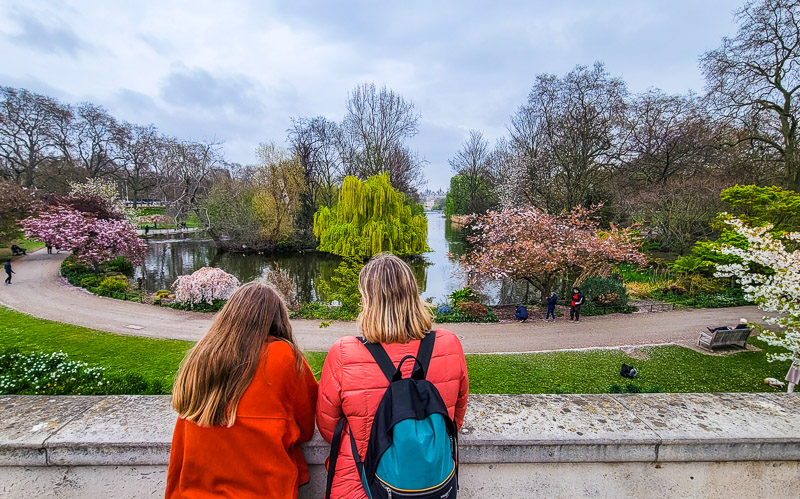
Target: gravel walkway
38,290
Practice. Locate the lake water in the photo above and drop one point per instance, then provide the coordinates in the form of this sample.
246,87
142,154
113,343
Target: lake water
437,274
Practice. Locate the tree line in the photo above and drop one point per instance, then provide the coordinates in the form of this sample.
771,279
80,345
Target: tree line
583,138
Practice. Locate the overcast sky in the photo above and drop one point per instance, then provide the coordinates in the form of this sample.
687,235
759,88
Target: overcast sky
238,71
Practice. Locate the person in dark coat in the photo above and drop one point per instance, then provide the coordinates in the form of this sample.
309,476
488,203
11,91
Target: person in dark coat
742,324
49,247
146,229
577,301
9,271
551,306
521,313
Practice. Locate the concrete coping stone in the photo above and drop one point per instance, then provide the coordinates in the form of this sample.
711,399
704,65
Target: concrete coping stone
137,430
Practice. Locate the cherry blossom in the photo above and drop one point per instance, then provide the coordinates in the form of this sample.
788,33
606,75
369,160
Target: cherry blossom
204,285
528,244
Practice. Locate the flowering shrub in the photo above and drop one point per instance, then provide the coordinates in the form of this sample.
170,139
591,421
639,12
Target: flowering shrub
775,290
39,373
92,240
204,286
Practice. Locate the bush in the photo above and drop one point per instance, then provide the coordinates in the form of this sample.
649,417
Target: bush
114,284
603,295
444,314
121,265
343,287
91,281
472,309
320,311
283,284
464,294
39,373
731,297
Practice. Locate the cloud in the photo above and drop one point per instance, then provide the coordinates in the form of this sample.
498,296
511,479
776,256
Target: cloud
49,38
199,89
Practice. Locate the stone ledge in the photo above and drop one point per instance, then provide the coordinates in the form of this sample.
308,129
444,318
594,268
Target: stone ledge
137,430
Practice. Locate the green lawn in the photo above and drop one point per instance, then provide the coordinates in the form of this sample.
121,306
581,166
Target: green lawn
671,368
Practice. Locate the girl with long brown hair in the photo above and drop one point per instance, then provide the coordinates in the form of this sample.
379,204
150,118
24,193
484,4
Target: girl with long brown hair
245,400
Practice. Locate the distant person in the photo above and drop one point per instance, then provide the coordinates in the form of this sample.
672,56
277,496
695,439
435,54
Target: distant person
9,271
49,247
146,229
577,302
793,376
17,250
245,398
521,313
742,324
551,307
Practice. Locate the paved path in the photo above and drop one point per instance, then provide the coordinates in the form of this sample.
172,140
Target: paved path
39,291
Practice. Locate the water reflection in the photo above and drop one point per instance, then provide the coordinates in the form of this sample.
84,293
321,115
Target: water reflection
437,274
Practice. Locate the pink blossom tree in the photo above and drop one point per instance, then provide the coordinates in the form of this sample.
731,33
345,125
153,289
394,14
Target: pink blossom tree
529,244
204,285
93,240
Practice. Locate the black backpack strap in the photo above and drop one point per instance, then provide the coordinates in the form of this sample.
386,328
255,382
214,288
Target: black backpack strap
336,441
425,351
381,358
359,464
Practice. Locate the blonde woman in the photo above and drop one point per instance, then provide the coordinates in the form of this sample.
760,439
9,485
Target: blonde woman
245,399
353,384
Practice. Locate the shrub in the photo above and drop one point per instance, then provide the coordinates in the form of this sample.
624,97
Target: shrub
114,284
472,309
343,286
603,295
214,306
204,286
91,281
283,284
464,294
162,293
320,311
121,265
445,314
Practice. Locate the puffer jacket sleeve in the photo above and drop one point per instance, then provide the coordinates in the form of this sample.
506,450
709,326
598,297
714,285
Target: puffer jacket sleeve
329,401
463,390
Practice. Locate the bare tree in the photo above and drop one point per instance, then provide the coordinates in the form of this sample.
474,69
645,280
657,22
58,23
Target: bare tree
137,156
665,136
96,140
27,133
473,163
754,78
567,137
184,169
376,126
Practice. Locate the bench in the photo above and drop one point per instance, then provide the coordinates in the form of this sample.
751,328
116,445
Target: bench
724,338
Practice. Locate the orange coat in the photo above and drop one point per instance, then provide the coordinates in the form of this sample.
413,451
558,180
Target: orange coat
353,384
259,455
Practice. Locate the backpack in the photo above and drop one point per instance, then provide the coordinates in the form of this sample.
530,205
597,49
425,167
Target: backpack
628,371
413,444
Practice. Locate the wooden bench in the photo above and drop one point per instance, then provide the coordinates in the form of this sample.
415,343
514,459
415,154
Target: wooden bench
724,338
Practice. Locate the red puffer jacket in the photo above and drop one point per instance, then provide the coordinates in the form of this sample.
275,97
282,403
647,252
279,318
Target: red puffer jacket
352,382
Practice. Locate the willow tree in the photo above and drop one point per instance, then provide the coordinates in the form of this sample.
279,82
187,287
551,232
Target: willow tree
370,217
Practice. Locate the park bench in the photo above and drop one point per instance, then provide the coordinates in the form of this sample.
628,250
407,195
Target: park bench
724,338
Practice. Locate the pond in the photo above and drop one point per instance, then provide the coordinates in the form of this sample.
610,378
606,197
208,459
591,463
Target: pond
437,274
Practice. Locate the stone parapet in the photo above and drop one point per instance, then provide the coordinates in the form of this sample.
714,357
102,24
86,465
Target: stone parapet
614,445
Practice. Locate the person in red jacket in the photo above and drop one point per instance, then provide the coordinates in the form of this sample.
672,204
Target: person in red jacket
245,398
352,384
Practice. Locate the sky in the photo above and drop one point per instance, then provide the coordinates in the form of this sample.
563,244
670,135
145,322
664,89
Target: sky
238,71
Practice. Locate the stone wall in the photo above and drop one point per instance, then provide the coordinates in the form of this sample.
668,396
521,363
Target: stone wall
670,445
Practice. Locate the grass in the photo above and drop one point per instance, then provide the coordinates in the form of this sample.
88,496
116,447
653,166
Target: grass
671,368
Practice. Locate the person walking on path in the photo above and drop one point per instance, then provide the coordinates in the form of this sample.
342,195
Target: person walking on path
793,376
49,247
577,301
9,271
245,398
353,384
551,307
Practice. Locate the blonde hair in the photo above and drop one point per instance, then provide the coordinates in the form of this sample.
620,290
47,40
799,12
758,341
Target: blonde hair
391,309
217,371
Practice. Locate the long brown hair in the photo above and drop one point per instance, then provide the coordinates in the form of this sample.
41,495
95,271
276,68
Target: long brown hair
217,371
391,309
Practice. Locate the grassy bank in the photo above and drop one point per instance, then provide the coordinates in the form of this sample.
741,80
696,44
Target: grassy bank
667,369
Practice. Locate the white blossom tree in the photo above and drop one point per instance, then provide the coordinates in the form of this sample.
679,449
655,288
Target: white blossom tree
776,288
